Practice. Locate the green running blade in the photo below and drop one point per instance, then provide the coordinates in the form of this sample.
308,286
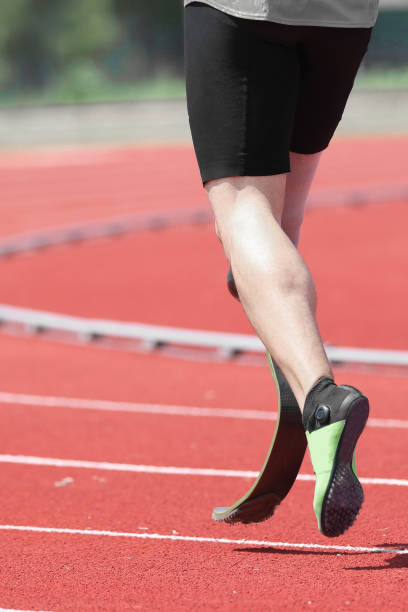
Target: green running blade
281,465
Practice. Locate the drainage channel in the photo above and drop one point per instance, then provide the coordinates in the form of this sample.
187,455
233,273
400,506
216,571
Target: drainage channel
191,343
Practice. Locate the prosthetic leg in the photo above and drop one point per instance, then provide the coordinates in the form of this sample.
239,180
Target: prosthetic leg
282,462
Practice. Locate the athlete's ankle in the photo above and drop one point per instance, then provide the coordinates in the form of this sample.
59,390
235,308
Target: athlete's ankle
327,403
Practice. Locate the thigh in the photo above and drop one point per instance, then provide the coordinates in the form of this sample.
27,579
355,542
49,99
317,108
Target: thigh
329,61
241,95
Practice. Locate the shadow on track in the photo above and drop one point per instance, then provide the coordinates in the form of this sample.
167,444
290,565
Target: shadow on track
282,551
397,562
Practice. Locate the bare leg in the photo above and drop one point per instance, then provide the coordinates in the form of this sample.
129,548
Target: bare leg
274,284
298,183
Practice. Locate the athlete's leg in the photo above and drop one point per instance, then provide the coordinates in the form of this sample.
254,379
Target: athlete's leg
274,284
334,416
298,182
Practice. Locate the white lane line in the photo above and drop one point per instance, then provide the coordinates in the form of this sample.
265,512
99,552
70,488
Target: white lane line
169,470
140,408
164,409
179,538
14,610
388,423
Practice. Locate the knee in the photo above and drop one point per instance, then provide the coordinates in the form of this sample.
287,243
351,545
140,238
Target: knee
238,233
240,204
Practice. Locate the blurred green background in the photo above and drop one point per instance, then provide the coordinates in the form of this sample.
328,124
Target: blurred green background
64,51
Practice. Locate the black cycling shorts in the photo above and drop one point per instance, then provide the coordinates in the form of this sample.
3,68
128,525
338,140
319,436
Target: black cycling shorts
257,89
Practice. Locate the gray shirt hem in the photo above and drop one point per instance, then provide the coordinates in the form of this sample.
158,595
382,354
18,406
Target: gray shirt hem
257,17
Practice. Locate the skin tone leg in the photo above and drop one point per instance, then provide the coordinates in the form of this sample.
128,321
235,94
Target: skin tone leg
273,282
298,183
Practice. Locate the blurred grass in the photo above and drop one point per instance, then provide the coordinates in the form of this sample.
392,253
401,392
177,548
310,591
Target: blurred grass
382,78
90,86
95,89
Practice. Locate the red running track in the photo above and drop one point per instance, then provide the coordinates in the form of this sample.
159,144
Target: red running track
176,277
75,572
44,188
71,572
